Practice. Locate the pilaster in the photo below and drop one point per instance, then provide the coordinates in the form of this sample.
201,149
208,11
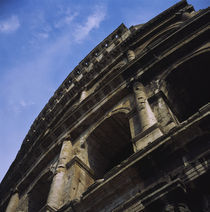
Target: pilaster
80,178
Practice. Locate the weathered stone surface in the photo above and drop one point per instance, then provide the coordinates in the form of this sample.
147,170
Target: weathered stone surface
13,203
127,130
131,55
56,195
149,131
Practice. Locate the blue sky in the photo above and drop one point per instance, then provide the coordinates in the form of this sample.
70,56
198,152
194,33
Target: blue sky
41,41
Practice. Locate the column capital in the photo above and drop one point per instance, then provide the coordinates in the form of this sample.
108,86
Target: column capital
13,191
137,85
65,138
131,55
179,207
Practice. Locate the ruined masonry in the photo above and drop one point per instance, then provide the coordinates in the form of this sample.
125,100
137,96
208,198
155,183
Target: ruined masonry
128,130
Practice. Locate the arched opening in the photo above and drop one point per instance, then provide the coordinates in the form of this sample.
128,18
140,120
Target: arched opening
39,194
109,144
188,86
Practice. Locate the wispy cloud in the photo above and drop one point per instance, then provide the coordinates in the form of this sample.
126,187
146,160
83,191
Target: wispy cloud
26,86
66,19
9,25
43,35
93,22
30,78
24,103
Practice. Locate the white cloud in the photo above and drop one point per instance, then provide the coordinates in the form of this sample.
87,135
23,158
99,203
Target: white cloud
34,77
66,20
43,35
93,22
39,27
9,25
24,103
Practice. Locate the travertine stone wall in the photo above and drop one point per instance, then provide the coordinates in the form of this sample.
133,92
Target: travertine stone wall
79,179
160,106
23,204
163,113
133,115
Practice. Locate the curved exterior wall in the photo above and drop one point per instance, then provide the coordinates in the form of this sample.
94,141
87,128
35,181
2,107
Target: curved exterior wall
128,129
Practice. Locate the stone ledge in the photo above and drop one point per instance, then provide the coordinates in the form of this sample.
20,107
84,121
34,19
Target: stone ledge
81,164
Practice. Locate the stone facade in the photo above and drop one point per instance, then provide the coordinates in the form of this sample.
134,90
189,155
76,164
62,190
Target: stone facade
127,130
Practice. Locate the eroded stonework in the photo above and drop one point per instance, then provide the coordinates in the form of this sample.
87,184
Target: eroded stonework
129,128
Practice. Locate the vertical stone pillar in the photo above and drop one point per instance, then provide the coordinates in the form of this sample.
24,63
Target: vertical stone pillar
131,55
148,123
56,194
84,95
146,116
13,203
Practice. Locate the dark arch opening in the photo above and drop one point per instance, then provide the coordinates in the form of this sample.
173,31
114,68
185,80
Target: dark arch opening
109,144
188,86
39,194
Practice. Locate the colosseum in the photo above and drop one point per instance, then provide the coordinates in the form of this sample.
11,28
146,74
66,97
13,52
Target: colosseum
128,130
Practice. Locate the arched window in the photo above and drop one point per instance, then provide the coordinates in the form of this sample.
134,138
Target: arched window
188,86
109,144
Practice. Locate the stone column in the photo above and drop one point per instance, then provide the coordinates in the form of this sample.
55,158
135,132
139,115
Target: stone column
56,194
13,203
131,55
146,116
148,123
84,95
